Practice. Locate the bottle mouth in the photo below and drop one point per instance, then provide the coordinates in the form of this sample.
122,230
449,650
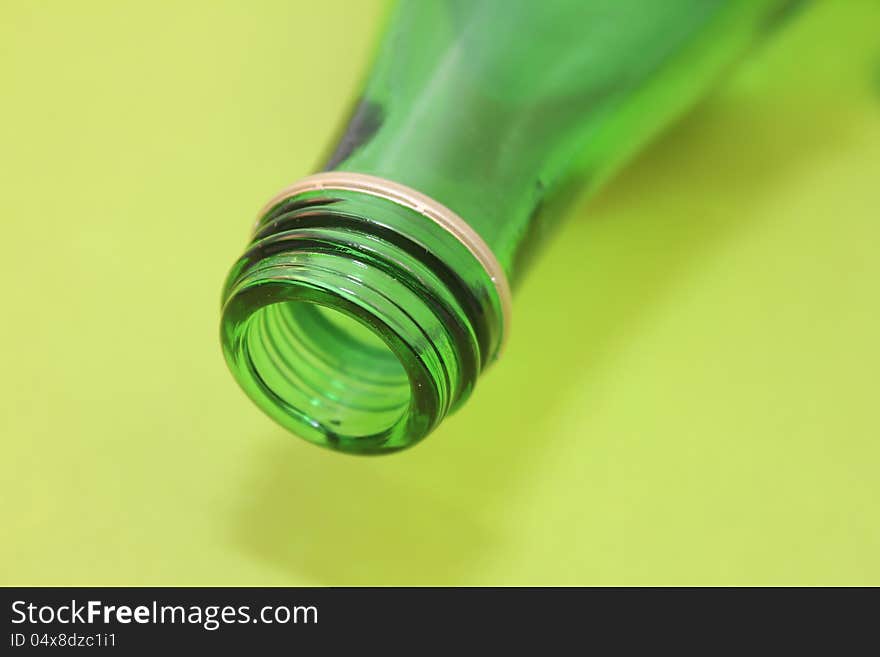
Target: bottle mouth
326,367
350,333
332,368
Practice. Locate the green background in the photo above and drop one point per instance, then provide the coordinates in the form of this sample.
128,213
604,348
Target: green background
690,394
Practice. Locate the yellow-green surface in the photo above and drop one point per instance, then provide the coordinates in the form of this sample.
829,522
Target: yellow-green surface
690,394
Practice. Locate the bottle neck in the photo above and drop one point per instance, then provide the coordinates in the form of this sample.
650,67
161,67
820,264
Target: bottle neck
357,322
495,118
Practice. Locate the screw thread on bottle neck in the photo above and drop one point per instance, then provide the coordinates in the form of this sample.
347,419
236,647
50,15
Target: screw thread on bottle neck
357,323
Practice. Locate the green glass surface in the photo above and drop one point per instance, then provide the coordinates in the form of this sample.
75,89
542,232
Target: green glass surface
494,109
497,108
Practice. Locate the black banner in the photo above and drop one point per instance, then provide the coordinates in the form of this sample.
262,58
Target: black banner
126,620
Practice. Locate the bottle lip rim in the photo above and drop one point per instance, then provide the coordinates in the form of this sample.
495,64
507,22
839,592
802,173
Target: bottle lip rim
419,202
422,411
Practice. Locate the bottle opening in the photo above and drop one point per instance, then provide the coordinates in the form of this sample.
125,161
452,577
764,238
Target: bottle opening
328,369
357,323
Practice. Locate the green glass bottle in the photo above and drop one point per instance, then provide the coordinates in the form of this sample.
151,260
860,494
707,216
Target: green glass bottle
375,293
